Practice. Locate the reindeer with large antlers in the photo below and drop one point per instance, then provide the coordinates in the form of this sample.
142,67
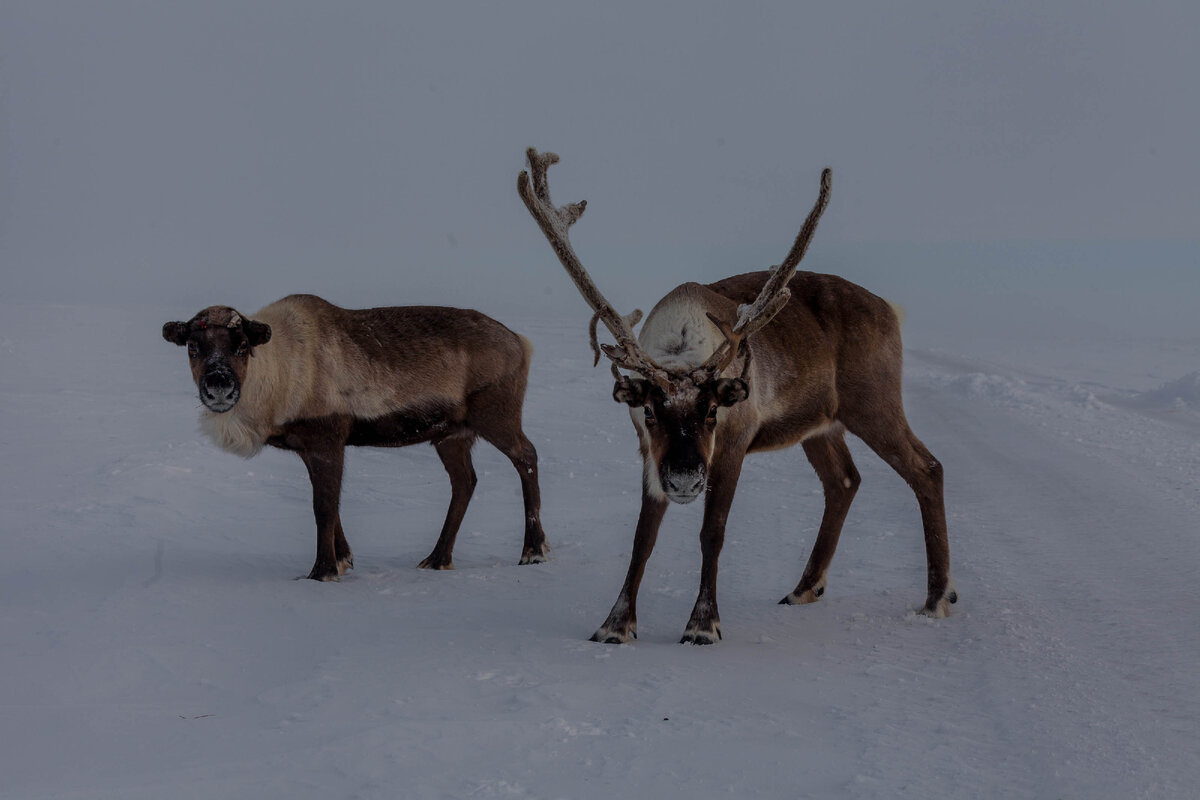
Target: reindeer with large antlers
813,355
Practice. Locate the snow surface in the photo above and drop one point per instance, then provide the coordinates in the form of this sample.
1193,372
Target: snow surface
1021,177
157,643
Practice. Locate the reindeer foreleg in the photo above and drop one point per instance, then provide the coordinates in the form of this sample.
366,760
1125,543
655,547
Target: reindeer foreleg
831,459
325,472
621,625
704,626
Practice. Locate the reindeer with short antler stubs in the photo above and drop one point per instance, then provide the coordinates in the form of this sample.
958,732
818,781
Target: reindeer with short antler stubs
311,377
813,355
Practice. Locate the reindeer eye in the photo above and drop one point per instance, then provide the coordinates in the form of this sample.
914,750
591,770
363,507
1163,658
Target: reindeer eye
650,418
242,349
193,349
712,414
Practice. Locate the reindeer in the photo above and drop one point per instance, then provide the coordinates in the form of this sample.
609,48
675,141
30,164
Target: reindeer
308,376
714,381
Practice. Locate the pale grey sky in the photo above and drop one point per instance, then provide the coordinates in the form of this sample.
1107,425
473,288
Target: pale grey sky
174,150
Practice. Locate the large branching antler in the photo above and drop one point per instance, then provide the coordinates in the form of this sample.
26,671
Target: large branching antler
773,296
554,222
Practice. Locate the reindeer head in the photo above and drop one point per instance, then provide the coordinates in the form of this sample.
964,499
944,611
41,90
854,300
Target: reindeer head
681,408
219,342
677,429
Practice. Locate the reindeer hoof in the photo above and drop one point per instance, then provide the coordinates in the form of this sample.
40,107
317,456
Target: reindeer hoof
695,635
607,635
538,555
939,608
345,564
324,573
609,639
700,638
803,598
939,611
433,562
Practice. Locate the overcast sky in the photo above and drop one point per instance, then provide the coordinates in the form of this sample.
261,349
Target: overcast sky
177,151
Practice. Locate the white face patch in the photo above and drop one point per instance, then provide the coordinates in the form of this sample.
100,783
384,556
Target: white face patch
650,480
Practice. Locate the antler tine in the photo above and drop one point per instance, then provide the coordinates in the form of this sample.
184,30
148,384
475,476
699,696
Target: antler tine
540,164
774,294
554,223
630,319
782,275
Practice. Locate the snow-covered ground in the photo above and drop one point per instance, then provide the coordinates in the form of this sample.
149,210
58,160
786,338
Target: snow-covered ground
1020,176
156,643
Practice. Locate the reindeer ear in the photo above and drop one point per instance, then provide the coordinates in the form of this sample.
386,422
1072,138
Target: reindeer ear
258,333
176,332
731,391
631,391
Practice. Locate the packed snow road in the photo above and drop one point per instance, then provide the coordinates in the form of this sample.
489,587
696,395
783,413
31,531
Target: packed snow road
156,644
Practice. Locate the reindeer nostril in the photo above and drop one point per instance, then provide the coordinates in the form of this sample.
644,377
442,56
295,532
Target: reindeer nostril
684,484
218,387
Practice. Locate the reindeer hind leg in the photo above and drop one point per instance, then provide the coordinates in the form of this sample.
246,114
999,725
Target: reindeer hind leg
496,414
905,453
521,453
831,460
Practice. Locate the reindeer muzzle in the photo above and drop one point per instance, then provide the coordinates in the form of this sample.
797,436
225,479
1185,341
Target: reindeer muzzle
684,486
219,390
